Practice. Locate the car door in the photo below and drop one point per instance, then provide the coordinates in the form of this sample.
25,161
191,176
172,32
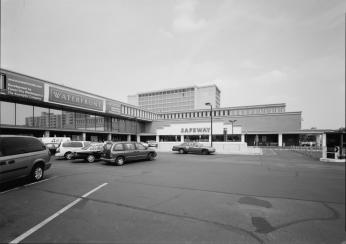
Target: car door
193,148
130,151
141,151
15,160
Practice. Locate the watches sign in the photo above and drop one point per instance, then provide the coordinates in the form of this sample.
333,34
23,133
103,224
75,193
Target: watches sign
75,99
24,87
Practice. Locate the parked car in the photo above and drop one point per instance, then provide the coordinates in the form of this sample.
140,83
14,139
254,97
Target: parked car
90,153
22,156
52,143
152,143
193,147
120,152
66,149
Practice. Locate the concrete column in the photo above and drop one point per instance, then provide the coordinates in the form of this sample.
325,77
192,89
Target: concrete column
138,138
46,133
319,140
280,140
128,137
324,145
109,137
182,138
242,137
157,138
83,136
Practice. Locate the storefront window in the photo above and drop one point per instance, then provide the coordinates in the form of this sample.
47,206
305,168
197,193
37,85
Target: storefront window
41,117
169,138
68,120
108,124
100,123
234,138
90,122
55,118
7,113
115,124
122,127
80,121
218,138
196,138
24,115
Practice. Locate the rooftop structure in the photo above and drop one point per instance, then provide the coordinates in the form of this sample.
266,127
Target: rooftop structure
177,99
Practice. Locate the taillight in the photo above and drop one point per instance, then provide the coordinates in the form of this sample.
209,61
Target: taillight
58,149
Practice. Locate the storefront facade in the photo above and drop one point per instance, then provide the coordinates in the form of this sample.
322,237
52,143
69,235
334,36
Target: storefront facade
31,106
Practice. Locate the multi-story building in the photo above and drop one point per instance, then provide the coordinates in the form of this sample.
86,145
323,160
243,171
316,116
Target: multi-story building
177,99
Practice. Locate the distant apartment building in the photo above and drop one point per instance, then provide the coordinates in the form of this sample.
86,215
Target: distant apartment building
177,99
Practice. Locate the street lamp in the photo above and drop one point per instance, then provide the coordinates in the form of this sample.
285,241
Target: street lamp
211,123
232,121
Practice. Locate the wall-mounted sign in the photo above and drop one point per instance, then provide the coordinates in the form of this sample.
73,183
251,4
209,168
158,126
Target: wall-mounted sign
195,130
75,99
202,128
113,107
25,87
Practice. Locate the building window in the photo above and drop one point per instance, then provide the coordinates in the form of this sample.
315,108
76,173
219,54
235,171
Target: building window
7,113
69,120
100,123
196,138
169,138
80,121
55,118
24,115
41,117
115,124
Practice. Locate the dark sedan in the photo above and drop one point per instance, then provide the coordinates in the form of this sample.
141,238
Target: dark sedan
90,153
193,147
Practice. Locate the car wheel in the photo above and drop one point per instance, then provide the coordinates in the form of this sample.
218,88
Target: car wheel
90,158
119,161
181,151
151,156
205,152
37,172
68,155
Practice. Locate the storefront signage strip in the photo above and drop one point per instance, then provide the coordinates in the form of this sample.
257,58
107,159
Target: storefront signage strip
75,99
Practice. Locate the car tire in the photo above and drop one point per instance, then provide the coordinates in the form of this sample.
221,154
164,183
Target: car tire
119,161
37,172
68,155
181,151
205,152
90,158
151,156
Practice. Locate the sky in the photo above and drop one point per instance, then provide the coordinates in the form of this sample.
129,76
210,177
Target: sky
255,51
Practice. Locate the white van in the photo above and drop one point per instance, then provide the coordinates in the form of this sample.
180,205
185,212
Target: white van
52,143
66,149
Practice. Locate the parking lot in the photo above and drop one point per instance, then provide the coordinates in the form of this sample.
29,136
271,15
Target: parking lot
279,197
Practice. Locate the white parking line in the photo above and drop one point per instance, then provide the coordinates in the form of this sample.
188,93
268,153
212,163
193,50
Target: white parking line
44,222
17,188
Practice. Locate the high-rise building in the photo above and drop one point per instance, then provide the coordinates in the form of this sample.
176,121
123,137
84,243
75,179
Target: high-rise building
177,99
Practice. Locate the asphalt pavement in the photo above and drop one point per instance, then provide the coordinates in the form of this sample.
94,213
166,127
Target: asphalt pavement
278,197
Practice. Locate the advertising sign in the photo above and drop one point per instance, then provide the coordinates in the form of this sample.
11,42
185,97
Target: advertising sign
24,87
113,107
61,96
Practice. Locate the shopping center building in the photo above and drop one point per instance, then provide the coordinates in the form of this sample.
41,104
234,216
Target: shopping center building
32,106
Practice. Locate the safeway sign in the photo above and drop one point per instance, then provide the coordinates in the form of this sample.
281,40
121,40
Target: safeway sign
197,129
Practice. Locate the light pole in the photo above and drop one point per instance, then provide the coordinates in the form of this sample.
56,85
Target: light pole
211,123
232,121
